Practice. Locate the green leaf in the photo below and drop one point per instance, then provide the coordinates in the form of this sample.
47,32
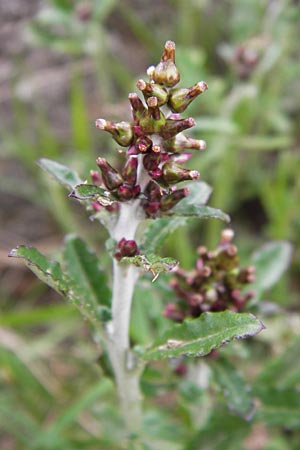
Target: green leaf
158,231
65,175
233,386
271,261
198,337
199,211
152,263
83,269
47,271
90,191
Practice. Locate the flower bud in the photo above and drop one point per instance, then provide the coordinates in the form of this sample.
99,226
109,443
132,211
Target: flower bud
173,127
173,173
129,173
166,72
180,99
143,144
153,90
126,248
121,132
153,119
137,106
181,142
152,160
170,200
95,177
111,177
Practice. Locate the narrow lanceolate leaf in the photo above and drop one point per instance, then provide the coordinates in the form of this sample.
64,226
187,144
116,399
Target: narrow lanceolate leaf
271,261
87,278
152,263
65,175
47,271
236,392
199,211
198,337
92,192
159,230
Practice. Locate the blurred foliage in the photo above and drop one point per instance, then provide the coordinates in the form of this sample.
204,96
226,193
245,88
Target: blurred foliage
54,392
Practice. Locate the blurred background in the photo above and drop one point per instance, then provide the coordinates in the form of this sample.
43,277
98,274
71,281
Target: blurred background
64,63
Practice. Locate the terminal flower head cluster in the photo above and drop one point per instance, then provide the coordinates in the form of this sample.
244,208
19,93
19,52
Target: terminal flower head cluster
214,285
156,146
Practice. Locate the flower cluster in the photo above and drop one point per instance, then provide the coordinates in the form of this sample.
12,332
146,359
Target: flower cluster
156,145
214,285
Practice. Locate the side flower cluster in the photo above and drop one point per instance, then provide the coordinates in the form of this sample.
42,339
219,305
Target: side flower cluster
214,285
155,142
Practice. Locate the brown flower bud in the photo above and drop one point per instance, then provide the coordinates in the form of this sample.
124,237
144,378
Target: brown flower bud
166,72
111,177
153,90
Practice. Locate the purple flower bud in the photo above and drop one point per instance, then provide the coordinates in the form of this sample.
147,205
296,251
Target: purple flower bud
125,193
143,144
129,173
180,99
95,177
126,248
111,177
121,131
173,312
166,72
153,90
151,161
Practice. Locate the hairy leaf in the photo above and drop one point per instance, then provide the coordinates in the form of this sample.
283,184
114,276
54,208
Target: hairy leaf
198,337
90,191
49,272
200,211
233,386
65,175
152,263
82,267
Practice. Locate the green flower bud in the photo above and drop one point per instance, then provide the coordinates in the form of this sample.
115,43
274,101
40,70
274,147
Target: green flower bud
173,173
153,120
166,72
137,106
181,142
180,99
170,200
120,131
153,90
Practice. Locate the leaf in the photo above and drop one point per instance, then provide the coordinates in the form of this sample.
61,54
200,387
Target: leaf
200,211
199,192
47,271
271,261
233,385
83,283
83,269
159,230
65,175
90,191
198,337
152,263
